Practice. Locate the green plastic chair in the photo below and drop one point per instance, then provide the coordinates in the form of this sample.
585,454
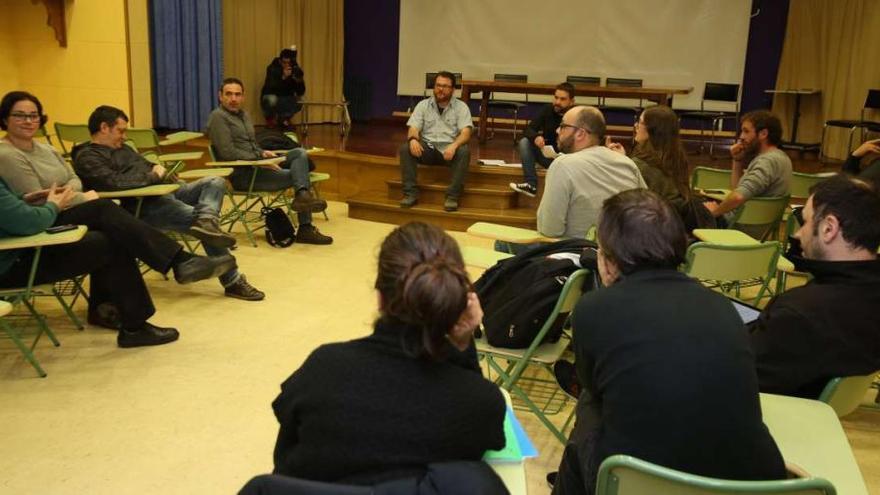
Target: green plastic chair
527,389
627,475
25,295
710,178
245,205
73,134
760,217
728,267
844,394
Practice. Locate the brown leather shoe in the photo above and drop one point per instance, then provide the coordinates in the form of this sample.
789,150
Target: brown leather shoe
309,234
305,202
208,231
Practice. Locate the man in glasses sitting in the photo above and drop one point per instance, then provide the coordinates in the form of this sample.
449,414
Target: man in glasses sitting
582,178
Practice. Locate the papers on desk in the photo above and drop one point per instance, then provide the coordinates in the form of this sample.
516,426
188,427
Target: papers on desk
549,152
517,445
498,163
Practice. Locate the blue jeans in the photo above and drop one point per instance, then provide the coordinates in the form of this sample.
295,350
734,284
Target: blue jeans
177,211
295,175
529,154
283,107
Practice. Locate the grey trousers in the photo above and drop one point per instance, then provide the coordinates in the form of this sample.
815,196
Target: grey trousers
431,156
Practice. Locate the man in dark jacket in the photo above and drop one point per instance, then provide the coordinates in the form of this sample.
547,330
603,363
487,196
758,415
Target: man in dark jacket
541,132
283,88
107,164
830,327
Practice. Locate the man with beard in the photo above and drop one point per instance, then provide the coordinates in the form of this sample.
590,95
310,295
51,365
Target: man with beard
439,129
579,181
541,132
769,171
828,327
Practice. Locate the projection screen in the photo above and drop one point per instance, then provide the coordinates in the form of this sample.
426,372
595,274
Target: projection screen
668,43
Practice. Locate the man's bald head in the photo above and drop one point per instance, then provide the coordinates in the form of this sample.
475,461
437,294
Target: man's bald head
582,127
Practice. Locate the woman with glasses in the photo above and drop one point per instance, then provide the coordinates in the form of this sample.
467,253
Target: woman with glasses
38,190
663,163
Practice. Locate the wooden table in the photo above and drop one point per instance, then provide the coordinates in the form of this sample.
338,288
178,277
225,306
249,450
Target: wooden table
809,435
662,96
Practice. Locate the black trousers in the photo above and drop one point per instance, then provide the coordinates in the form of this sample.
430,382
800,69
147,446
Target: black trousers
115,275
134,237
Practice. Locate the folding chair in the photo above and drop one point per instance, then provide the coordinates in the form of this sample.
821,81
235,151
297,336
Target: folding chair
621,104
25,295
760,217
73,134
245,205
728,267
710,178
727,94
627,475
844,394
585,81
872,103
540,355
512,106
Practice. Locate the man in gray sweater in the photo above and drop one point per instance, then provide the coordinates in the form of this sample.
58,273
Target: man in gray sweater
769,171
233,138
580,179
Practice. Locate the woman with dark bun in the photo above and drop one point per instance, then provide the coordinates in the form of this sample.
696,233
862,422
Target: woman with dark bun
383,407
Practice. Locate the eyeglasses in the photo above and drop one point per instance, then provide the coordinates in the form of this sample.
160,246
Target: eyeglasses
24,117
798,214
564,125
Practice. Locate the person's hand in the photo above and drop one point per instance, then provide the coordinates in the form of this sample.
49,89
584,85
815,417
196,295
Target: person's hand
712,206
286,72
269,154
539,142
273,166
159,170
415,148
90,195
737,151
460,335
36,198
61,196
872,146
616,147
449,152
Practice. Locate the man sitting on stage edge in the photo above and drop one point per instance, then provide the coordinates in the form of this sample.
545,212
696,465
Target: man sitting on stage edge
769,171
232,136
829,327
541,132
107,164
439,129
581,179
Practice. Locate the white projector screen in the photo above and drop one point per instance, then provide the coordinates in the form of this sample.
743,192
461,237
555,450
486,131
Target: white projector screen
669,43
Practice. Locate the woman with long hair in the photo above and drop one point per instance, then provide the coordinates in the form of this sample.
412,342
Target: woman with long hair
384,406
663,163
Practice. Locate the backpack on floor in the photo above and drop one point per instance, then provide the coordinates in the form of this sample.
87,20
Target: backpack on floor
279,229
519,293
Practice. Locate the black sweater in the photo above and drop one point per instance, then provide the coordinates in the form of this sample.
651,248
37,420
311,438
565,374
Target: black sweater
365,411
825,329
544,124
671,377
276,84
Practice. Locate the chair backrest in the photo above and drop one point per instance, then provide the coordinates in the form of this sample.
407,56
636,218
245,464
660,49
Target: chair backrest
73,134
720,92
760,212
801,184
872,101
584,80
726,263
710,178
143,139
621,82
844,394
627,475
520,78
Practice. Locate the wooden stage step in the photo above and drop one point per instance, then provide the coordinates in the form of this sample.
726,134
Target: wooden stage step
475,196
378,207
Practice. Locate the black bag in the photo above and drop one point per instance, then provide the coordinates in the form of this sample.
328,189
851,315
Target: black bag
519,293
275,140
279,229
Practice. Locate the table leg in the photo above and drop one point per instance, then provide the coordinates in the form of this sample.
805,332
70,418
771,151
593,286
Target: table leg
484,115
797,116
